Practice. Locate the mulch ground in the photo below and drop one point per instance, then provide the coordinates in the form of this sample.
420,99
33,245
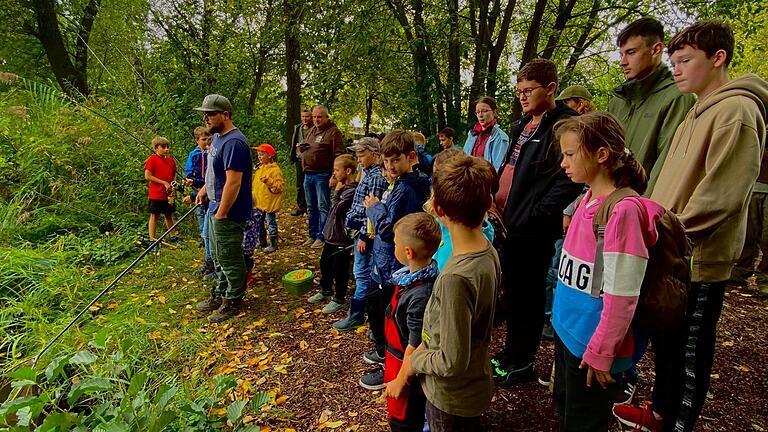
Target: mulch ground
317,368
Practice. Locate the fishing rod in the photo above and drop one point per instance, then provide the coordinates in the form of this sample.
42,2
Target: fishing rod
144,253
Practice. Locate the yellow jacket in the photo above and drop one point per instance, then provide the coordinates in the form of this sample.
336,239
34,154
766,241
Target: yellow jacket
268,194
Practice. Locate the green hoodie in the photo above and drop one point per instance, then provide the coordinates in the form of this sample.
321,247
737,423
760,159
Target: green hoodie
650,109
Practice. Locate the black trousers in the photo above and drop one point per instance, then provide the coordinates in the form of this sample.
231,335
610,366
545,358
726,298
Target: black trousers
581,408
705,302
301,200
334,268
376,306
441,421
526,264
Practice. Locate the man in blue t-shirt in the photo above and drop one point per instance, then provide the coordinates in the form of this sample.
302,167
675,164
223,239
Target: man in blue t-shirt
228,191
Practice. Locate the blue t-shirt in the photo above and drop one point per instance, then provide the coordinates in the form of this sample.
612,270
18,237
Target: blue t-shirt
230,152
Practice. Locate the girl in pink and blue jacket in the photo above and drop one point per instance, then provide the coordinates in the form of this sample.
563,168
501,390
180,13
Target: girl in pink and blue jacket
593,342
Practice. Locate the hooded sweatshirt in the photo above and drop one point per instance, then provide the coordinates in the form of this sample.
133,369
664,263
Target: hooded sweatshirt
711,167
598,329
650,110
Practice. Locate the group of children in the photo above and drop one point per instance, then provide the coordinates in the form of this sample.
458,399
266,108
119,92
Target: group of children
427,274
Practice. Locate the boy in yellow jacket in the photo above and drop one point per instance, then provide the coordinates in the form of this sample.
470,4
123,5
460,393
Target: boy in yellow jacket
268,187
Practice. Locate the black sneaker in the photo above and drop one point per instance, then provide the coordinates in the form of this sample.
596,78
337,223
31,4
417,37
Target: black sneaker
513,375
372,357
228,309
627,393
373,380
501,359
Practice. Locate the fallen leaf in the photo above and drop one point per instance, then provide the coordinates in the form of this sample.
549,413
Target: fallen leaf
281,400
303,345
306,325
324,416
361,329
95,307
161,299
728,343
171,311
283,309
334,425
141,320
742,368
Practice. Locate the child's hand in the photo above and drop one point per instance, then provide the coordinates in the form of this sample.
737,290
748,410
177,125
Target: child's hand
361,246
603,377
263,179
166,185
187,200
187,182
396,388
339,186
370,200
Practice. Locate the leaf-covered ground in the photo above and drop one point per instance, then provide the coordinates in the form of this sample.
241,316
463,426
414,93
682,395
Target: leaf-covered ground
284,345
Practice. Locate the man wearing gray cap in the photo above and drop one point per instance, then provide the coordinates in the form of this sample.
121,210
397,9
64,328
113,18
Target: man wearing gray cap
228,190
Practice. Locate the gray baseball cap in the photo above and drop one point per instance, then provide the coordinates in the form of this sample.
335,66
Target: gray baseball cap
366,143
214,102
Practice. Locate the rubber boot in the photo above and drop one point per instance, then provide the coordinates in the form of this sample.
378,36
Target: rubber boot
262,239
228,309
355,318
272,245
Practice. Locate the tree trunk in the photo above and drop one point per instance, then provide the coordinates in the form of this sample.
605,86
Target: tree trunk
498,48
482,48
292,12
368,113
453,87
531,44
71,76
563,15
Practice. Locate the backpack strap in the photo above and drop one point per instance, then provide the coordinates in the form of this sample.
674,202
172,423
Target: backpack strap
599,222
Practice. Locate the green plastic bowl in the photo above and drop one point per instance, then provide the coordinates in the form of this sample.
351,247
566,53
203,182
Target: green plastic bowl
298,282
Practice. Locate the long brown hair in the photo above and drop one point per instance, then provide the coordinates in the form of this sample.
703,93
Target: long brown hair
598,130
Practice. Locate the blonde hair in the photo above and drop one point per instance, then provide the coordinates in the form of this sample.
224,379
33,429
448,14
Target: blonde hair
419,138
421,232
201,130
158,141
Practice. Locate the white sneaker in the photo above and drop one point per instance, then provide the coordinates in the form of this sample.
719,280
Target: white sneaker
332,307
317,298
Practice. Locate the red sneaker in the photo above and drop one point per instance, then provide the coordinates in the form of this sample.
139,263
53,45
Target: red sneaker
639,418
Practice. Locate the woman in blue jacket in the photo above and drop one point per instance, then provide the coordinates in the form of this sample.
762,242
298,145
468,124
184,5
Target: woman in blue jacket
486,140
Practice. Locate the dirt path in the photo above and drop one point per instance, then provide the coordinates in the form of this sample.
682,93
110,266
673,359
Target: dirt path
316,369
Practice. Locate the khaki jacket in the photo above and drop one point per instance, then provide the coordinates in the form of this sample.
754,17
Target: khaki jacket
268,196
712,164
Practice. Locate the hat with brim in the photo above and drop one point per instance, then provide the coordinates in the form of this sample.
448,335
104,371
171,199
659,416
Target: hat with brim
214,102
366,143
575,91
266,148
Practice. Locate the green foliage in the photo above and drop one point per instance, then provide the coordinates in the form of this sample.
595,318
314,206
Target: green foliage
109,390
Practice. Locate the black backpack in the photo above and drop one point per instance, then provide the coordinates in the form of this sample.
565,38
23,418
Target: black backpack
664,292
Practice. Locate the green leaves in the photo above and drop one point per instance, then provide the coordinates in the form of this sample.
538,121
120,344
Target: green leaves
235,410
82,358
87,387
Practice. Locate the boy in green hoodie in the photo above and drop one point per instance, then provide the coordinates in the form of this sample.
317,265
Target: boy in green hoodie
648,104
707,178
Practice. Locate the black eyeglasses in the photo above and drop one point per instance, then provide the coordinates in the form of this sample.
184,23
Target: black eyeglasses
211,113
526,92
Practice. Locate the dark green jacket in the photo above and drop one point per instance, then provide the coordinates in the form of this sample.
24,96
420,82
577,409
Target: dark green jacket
650,109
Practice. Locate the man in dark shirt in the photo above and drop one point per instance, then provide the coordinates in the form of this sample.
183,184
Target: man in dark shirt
300,132
228,190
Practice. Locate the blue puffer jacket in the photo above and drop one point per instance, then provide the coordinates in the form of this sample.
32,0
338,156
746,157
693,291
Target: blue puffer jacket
495,149
408,195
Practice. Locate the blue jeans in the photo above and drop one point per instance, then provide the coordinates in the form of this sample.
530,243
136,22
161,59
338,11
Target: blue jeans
361,268
202,221
318,194
272,224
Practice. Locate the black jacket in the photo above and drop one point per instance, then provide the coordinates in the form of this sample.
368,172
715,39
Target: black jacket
334,231
540,189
